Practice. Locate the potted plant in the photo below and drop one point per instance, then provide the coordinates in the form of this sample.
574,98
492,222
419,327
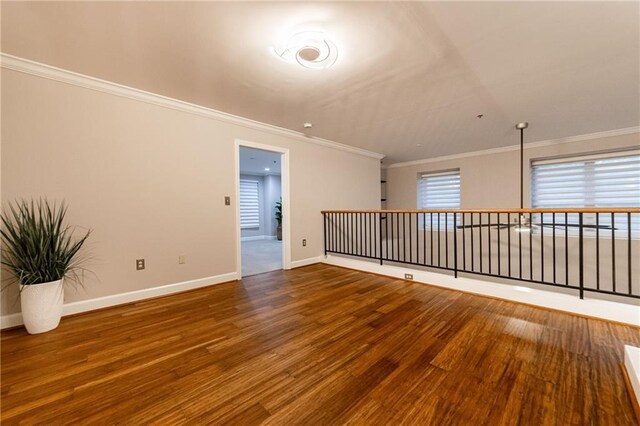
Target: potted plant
41,252
279,219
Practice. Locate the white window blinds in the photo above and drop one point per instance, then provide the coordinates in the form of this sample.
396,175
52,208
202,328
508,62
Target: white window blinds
609,180
249,204
603,180
439,191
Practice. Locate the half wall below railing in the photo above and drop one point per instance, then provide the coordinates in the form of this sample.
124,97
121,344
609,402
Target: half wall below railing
589,250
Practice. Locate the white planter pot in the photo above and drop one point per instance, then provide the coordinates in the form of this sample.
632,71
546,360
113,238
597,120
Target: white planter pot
41,306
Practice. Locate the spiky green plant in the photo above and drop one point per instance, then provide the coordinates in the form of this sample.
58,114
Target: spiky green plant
37,245
279,211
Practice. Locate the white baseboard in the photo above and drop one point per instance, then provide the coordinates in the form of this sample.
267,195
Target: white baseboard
305,262
632,365
258,237
612,311
14,320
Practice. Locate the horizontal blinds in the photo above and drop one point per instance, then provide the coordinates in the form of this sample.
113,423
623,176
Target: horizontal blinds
440,191
249,204
608,180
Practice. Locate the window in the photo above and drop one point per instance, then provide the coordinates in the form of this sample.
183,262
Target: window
249,204
440,190
603,180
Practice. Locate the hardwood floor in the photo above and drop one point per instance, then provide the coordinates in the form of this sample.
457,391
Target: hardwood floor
319,345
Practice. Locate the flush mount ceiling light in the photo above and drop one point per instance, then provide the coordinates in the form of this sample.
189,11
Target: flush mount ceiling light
311,49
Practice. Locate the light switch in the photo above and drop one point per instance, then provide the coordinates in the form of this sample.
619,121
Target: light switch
227,201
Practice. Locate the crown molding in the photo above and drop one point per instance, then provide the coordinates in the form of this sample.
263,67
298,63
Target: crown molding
27,66
530,145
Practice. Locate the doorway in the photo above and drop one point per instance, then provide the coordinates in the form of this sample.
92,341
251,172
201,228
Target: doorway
262,208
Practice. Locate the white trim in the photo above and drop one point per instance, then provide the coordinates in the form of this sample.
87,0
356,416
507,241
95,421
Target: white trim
612,311
14,320
306,262
258,237
632,365
286,200
530,145
69,77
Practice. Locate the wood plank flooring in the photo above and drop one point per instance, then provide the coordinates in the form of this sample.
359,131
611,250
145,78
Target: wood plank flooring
319,345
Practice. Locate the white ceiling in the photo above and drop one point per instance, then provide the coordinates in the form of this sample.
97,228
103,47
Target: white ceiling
255,161
408,73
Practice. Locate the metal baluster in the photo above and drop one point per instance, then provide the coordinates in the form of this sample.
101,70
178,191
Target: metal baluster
581,254
362,235
598,251
613,251
499,246
386,221
553,221
446,240
520,242
509,244
324,232
417,240
431,235
481,260
410,248
424,238
629,250
403,238
341,231
530,246
542,247
464,242
455,245
566,248
472,229
489,238
393,248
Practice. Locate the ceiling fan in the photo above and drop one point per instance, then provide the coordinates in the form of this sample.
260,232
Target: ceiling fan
524,223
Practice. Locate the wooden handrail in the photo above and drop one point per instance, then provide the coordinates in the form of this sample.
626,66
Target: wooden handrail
545,210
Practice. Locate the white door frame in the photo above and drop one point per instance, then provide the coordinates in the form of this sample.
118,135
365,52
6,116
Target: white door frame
286,205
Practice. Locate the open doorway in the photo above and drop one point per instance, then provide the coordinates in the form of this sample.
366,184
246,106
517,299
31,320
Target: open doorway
261,209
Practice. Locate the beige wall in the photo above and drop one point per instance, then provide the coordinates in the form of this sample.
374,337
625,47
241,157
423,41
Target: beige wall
150,181
491,180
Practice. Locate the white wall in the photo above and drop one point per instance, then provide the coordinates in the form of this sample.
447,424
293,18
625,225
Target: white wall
272,194
150,180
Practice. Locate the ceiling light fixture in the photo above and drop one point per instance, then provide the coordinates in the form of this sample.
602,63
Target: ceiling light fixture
311,49
266,169
307,125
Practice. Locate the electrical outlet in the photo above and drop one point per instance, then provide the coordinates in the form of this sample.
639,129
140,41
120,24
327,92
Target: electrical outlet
304,243
182,260
139,264
227,201
408,276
